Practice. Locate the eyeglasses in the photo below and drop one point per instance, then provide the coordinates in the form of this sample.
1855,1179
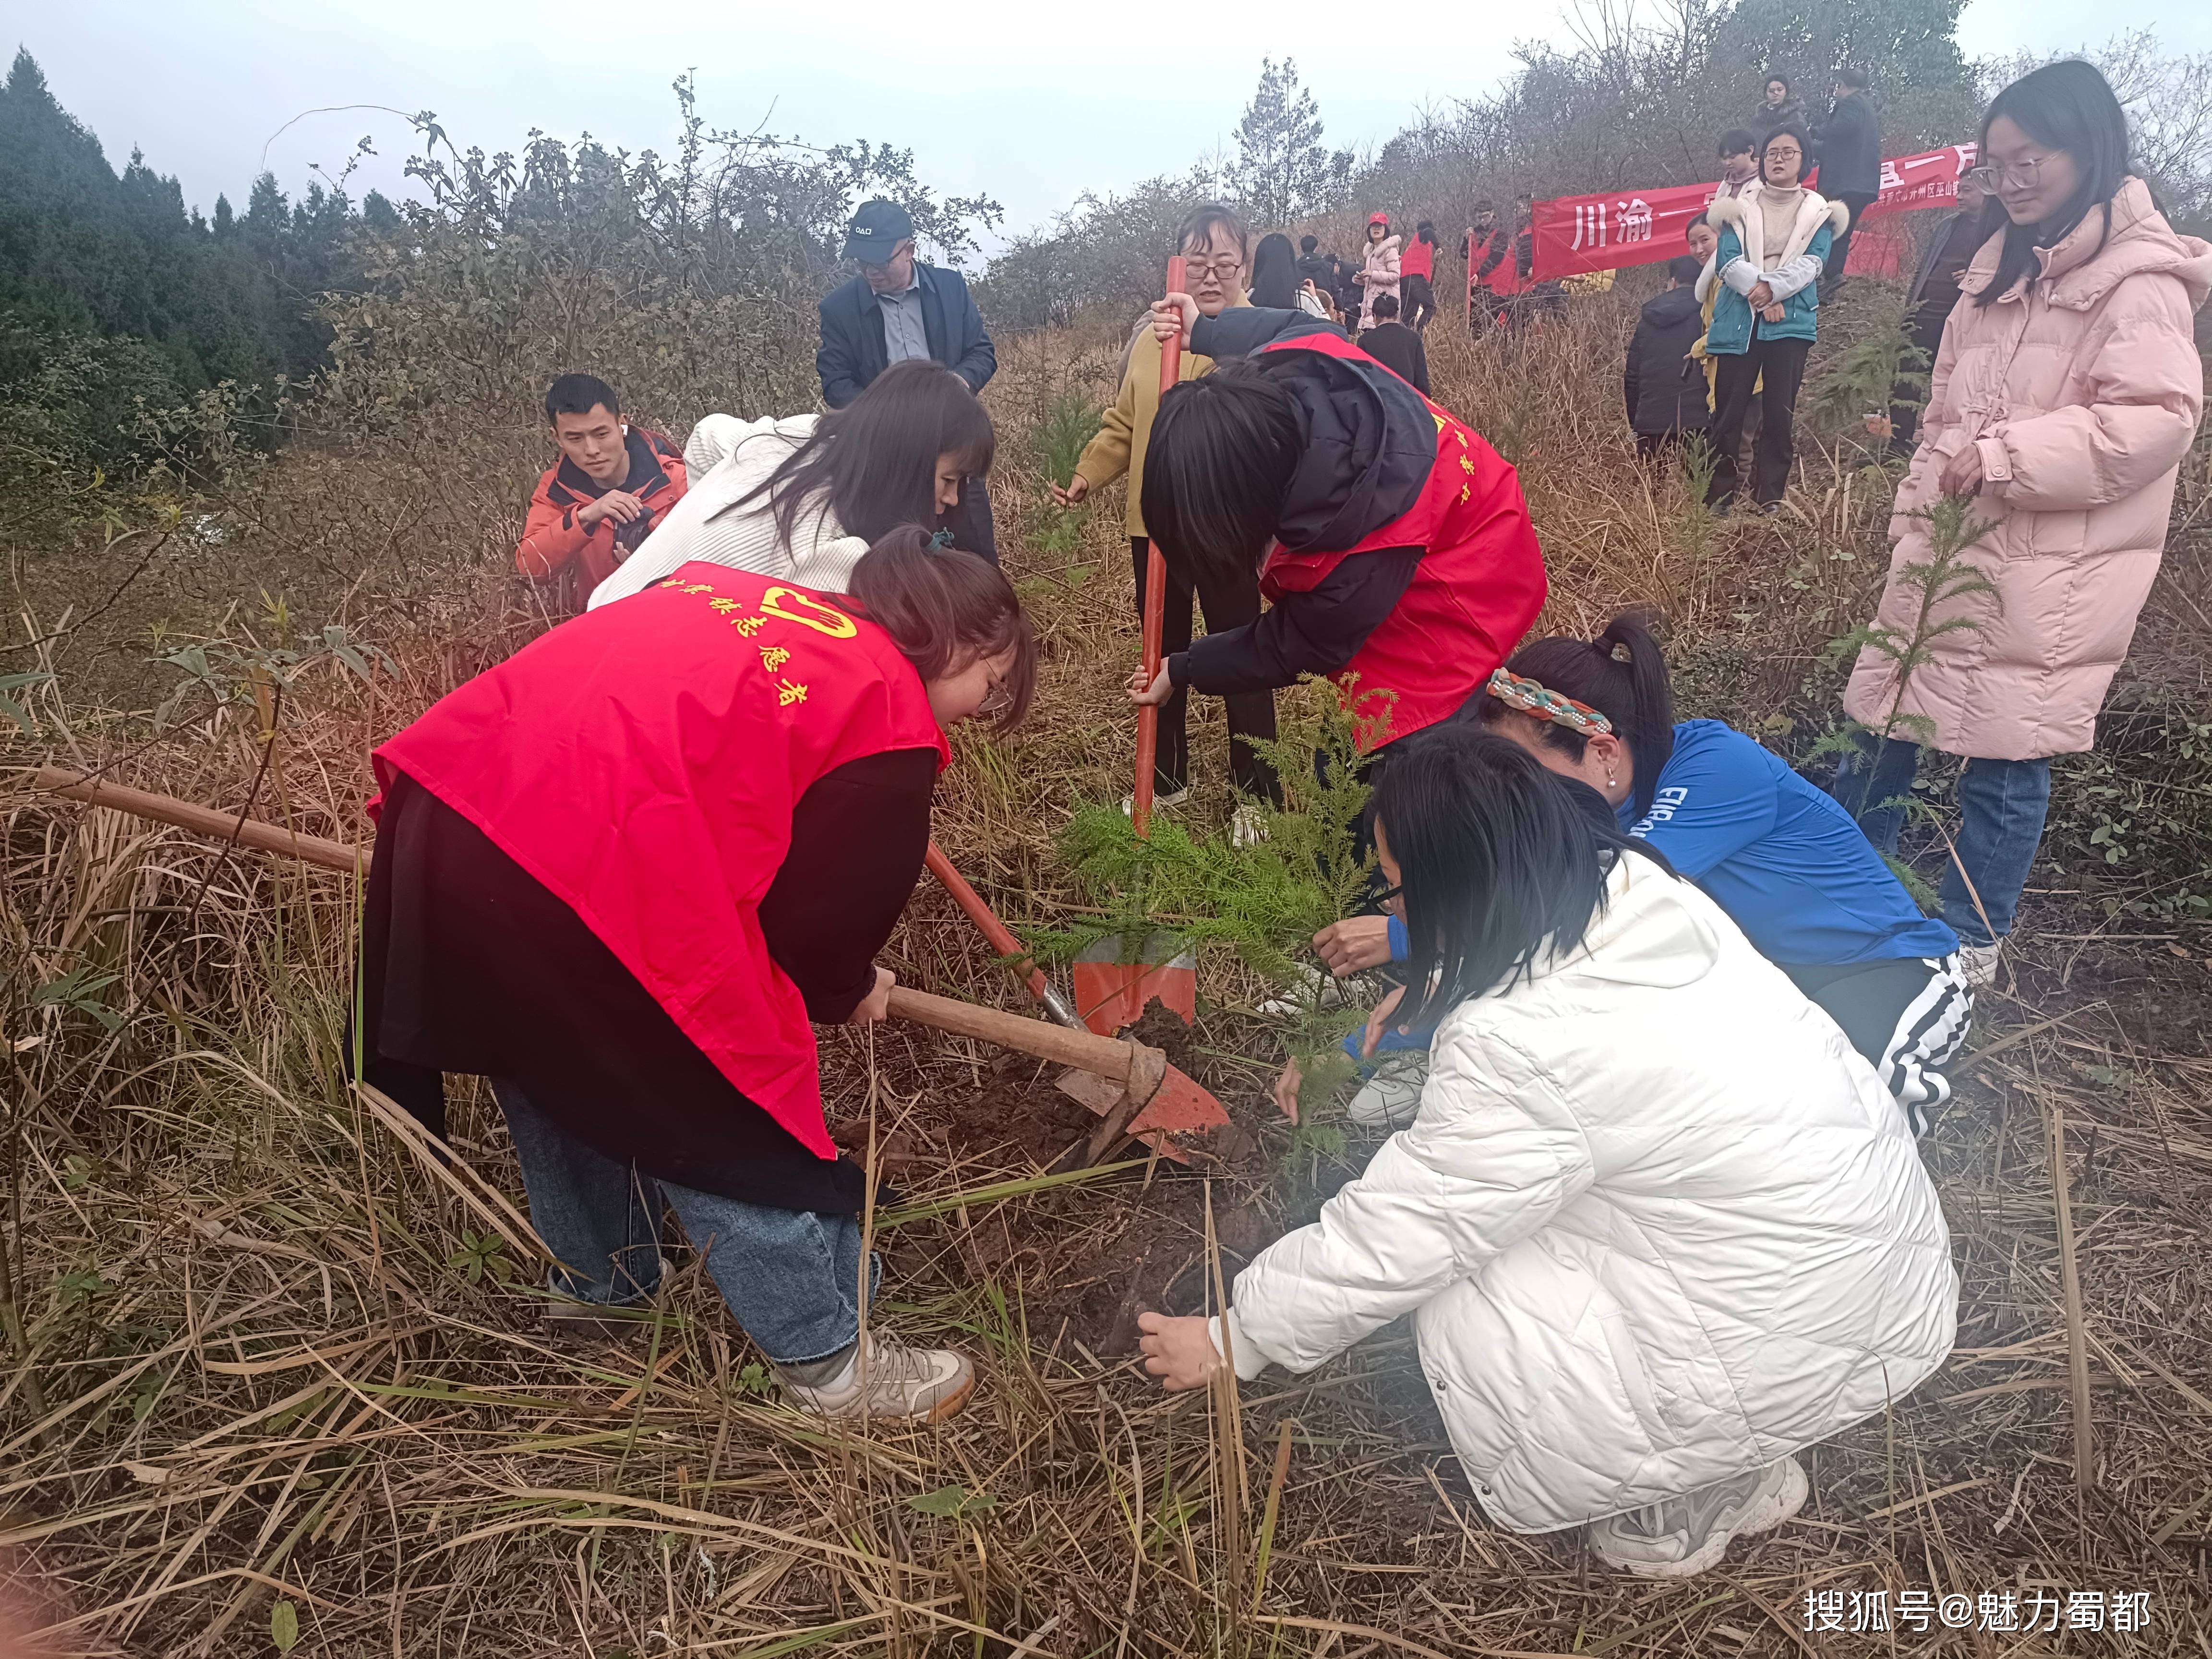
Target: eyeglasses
996,701
1783,153
1222,270
2021,175
1390,896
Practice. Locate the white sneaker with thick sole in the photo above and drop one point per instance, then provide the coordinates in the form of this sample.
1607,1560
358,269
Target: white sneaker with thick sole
926,1385
1390,1097
1318,987
1681,1537
1978,964
1246,826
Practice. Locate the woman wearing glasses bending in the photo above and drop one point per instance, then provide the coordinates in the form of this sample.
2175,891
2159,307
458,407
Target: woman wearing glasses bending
2065,394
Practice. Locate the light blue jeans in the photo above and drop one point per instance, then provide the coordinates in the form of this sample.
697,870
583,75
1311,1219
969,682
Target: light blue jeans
791,1277
2002,808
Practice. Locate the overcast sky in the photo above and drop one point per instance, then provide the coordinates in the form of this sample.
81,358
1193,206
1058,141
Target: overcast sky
1030,103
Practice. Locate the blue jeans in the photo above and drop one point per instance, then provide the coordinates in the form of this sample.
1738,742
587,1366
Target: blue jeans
791,1277
2001,806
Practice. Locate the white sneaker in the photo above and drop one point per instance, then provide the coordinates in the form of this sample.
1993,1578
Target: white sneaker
1681,1537
927,1384
1173,798
1246,826
1978,964
1317,986
1390,1097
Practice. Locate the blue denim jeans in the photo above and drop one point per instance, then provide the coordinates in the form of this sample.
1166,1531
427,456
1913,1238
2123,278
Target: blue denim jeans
2002,807
791,1277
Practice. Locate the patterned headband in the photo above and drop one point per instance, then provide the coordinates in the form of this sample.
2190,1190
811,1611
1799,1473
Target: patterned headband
1532,698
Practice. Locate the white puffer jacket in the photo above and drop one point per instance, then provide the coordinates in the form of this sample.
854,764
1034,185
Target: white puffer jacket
728,459
1657,1223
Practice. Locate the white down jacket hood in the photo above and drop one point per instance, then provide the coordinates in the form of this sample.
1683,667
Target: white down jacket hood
1655,1219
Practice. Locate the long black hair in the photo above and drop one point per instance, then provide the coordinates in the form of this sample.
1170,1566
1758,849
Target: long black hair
1501,862
943,609
1622,674
875,458
2069,106
1223,452
1274,273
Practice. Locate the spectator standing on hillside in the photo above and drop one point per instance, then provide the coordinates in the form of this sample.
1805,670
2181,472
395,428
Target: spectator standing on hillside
1379,270
1935,292
1778,106
613,484
1417,270
1531,300
1663,384
1212,240
1765,282
1318,268
898,308
2064,399
1848,146
1396,347
1487,246
1739,158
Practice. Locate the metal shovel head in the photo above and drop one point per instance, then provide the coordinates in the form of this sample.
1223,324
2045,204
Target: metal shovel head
1179,1107
1111,993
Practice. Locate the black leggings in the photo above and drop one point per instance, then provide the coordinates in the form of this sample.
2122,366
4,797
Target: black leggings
1782,364
1251,714
1418,299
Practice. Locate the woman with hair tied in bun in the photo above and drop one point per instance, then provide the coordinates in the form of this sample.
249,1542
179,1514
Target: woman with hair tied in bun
1775,851
623,873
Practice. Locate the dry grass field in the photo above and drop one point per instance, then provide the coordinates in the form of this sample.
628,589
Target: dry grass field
276,1376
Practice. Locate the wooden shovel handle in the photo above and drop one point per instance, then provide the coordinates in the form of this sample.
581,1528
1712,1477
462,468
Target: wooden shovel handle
1134,1066
201,820
1137,1068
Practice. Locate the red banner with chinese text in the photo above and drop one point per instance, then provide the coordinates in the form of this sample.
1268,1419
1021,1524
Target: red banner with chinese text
1612,229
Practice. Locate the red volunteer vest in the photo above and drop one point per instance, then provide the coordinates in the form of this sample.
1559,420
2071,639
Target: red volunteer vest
1475,594
642,762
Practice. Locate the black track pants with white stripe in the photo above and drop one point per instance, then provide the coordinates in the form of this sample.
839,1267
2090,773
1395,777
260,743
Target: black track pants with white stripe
1908,1017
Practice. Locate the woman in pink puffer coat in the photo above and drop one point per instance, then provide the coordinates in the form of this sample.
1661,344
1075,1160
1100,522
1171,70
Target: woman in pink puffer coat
2067,390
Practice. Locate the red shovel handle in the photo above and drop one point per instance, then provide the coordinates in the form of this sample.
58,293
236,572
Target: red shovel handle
1156,601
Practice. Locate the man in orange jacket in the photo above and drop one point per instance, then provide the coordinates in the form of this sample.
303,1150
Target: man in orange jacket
614,483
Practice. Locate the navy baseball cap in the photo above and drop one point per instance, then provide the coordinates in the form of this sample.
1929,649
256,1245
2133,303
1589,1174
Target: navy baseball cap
877,229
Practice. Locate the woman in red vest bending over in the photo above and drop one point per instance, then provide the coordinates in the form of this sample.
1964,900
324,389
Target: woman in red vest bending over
620,873
1393,543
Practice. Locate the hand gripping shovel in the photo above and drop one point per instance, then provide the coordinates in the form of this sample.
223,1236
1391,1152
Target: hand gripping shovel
1130,1076
1157,1113
1113,982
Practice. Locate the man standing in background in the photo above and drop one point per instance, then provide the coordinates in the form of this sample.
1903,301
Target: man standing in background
895,308
1849,148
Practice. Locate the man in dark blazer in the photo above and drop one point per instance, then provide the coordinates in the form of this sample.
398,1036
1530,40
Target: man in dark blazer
895,308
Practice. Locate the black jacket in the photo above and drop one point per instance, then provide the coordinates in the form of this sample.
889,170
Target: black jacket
1664,384
852,352
1320,269
1370,444
1399,349
1849,146
1765,117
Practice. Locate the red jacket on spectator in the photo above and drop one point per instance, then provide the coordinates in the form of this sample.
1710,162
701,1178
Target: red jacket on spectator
554,544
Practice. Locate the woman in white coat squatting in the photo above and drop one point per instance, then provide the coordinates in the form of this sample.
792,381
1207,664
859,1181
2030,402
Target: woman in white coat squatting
1658,1227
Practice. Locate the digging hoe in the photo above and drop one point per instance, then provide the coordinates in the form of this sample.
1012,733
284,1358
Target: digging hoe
1114,982
1175,1105
1127,1076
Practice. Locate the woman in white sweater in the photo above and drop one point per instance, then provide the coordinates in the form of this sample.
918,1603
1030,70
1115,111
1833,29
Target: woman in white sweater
1658,1226
804,496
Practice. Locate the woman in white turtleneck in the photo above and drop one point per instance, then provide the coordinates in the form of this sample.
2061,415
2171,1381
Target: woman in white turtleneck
1774,244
